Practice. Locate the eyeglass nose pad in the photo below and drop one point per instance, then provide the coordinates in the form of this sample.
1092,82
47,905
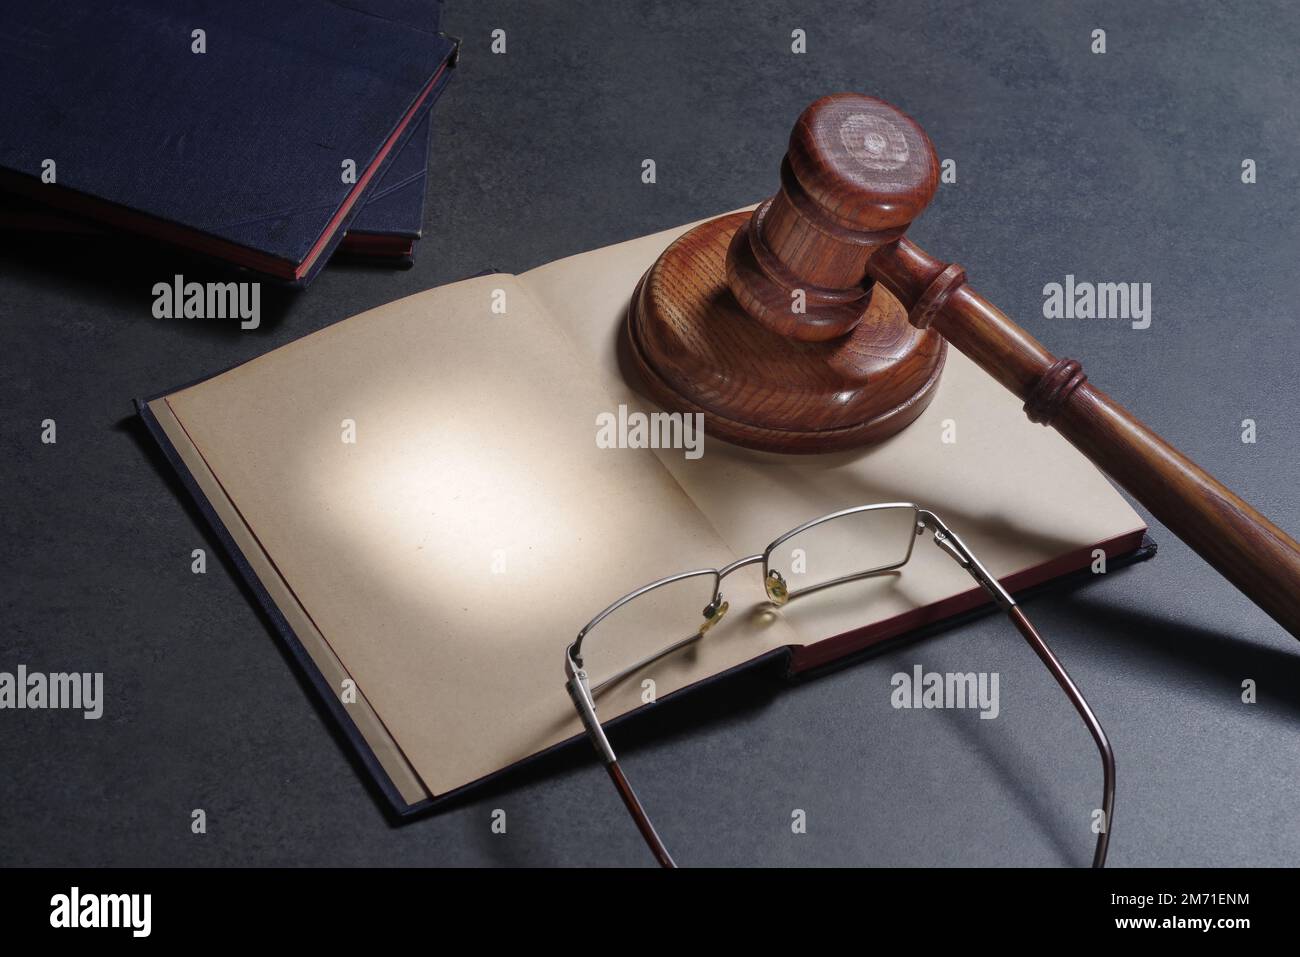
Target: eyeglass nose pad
713,613
774,584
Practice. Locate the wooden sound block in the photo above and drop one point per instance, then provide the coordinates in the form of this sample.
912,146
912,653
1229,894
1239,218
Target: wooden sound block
697,350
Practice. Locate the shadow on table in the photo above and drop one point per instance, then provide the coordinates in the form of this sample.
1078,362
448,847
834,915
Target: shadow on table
122,270
1175,649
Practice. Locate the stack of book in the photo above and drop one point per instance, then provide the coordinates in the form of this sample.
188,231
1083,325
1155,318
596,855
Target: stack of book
268,138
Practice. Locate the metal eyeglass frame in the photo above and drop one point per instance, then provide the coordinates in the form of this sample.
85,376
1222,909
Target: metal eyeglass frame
583,693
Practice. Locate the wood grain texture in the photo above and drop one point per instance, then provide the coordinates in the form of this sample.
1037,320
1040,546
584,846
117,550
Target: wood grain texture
766,289
769,324
862,161
855,174
697,350
1244,546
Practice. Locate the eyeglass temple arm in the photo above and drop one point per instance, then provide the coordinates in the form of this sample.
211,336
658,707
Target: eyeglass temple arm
633,804
946,539
580,691
1094,726
649,659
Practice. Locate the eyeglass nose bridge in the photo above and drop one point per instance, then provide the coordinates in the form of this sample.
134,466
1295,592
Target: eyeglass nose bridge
758,559
773,584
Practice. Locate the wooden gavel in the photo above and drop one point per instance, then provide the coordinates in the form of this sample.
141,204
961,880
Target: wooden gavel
813,325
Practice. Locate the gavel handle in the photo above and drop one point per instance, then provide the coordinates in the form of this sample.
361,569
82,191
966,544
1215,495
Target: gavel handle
1244,546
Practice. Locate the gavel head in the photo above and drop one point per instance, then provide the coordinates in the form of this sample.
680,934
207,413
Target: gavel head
856,174
768,323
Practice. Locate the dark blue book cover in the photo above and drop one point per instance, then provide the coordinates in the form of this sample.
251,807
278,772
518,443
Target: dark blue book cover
224,126
384,231
392,219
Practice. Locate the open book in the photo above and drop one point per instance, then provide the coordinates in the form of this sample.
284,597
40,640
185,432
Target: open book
418,496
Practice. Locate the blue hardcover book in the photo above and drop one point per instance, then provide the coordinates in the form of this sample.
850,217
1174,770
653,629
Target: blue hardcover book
240,131
392,218
384,231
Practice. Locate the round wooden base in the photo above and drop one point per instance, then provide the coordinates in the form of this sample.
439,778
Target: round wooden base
696,350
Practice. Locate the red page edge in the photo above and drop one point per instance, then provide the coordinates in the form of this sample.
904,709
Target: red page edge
807,657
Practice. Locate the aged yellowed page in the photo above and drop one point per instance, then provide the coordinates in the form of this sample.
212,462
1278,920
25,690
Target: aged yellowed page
430,505
363,714
425,480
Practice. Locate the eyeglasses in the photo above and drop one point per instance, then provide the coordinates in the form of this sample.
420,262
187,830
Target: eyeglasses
842,547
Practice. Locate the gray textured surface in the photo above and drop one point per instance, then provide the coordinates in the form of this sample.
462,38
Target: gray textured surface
1120,167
